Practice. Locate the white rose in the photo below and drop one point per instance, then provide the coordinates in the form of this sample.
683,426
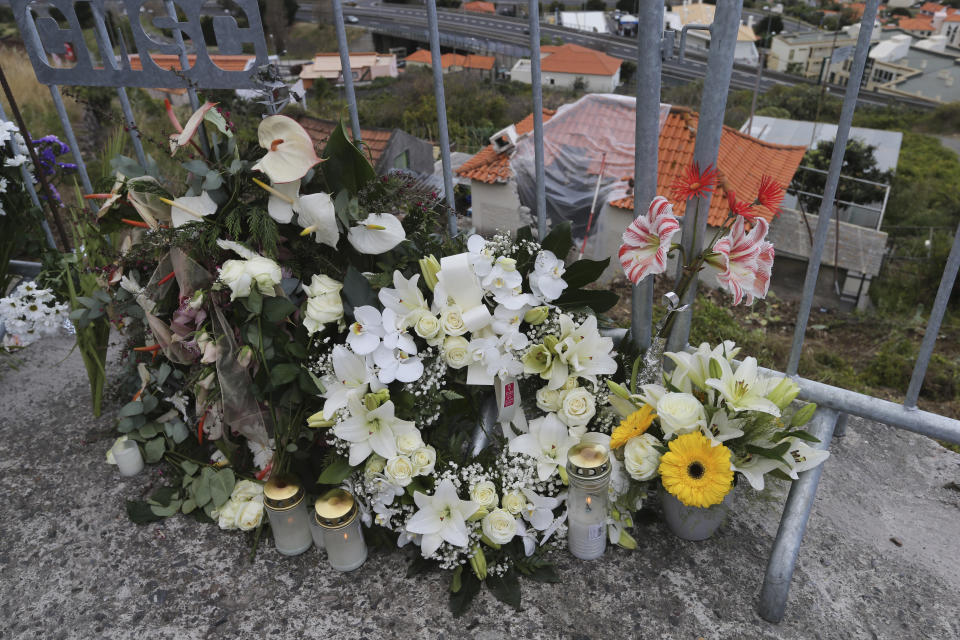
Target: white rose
499,526
375,464
228,514
451,321
427,326
548,400
640,458
485,494
578,408
399,470
246,490
322,310
409,442
265,273
250,514
456,352
423,460
680,413
233,273
322,285
514,502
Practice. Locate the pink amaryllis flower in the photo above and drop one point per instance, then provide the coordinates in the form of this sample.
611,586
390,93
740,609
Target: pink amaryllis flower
647,241
745,260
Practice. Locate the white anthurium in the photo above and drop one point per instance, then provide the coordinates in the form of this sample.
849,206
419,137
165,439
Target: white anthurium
290,152
539,509
743,390
404,299
184,137
547,281
378,233
351,373
363,336
753,468
371,431
584,350
282,203
441,518
318,217
190,208
395,364
547,442
802,457
148,204
481,256
722,428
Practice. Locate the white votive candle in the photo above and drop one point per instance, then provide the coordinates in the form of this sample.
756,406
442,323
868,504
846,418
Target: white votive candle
336,512
588,468
128,458
284,500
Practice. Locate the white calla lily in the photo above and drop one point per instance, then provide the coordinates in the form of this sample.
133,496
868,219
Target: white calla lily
441,518
379,233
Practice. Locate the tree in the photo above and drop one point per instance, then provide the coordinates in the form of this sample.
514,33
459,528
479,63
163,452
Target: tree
901,11
627,6
596,5
859,161
557,6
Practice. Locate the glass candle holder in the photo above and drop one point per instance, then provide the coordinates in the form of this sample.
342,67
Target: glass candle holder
283,498
317,532
336,512
588,468
128,458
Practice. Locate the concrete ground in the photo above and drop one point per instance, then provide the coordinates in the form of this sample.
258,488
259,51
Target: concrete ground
73,566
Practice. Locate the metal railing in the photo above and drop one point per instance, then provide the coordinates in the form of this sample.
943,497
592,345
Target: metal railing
835,403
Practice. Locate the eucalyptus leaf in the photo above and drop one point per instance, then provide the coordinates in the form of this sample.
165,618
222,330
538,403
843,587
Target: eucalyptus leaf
150,403
188,505
131,409
177,430
212,181
154,449
221,486
189,467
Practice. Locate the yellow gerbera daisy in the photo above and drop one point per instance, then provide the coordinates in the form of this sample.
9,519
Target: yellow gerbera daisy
695,471
633,425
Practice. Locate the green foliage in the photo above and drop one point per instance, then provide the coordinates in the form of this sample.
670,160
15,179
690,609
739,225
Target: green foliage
859,161
892,367
924,191
713,323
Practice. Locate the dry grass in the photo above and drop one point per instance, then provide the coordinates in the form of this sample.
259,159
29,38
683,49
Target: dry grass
33,98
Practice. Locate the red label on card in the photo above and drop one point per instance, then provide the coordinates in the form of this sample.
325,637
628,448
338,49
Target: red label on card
508,395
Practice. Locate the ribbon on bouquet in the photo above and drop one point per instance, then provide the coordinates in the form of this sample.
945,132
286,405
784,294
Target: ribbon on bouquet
461,284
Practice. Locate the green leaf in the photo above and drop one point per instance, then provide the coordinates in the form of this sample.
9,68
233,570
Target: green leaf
201,487
455,581
775,453
149,403
253,302
597,300
176,430
188,505
189,467
150,430
221,486
163,496
346,166
336,472
212,181
131,409
544,573
505,588
167,510
450,395
215,118
163,373
139,512
800,434
780,473
584,272
357,292
296,350
525,233
469,588
154,449
559,240
276,309
281,374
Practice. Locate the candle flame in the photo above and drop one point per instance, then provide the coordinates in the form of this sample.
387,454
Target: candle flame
589,500
345,536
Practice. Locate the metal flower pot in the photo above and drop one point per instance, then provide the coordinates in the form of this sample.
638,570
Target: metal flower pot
694,523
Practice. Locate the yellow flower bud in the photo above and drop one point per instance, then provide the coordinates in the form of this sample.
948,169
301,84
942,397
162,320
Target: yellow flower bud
536,315
429,267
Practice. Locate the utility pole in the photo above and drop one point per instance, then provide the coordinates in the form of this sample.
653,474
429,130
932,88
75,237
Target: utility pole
756,90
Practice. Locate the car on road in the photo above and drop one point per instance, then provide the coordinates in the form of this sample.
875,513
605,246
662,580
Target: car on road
353,19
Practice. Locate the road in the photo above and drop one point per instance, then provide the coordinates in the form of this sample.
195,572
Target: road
488,33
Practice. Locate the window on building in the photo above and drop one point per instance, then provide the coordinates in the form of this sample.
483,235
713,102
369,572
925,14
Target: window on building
791,55
551,80
402,161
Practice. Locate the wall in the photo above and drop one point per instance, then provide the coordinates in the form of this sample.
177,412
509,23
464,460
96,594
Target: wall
420,153
595,84
496,207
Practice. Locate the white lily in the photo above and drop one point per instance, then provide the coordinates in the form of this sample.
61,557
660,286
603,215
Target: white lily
539,509
547,442
379,233
802,457
365,333
753,468
442,517
722,428
694,367
350,373
743,390
371,431
584,350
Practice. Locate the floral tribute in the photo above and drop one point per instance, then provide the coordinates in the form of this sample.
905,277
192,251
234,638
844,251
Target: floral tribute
289,313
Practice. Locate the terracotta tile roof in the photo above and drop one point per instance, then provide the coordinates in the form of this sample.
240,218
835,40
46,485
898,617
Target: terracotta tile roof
857,8
953,17
375,141
172,61
923,23
448,60
742,159
492,167
572,58
479,7
931,7
741,162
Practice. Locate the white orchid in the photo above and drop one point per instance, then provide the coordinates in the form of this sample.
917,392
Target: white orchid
378,233
394,336
743,390
371,430
547,442
365,333
396,364
539,509
503,276
441,518
404,299
546,280
481,257
351,373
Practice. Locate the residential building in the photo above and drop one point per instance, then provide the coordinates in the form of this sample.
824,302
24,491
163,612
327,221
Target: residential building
386,149
365,67
479,7
170,61
452,62
562,66
689,12
590,21
804,52
920,27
